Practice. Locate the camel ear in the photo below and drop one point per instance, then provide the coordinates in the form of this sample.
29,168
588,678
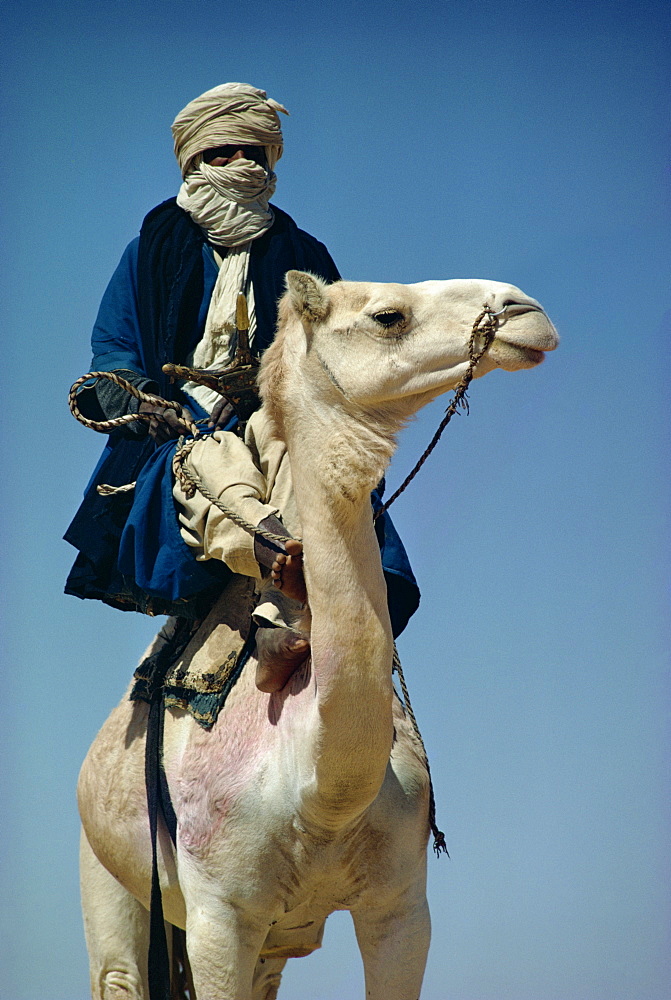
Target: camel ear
308,295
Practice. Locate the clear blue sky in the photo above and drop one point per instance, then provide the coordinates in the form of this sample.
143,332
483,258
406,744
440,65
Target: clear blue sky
525,141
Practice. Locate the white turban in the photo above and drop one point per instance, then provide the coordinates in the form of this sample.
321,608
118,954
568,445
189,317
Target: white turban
230,113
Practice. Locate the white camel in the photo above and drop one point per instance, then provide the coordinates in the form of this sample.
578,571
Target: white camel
315,798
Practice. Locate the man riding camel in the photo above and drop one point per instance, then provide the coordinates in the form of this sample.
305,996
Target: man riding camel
172,300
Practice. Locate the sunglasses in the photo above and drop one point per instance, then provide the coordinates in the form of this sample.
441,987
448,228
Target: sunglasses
255,153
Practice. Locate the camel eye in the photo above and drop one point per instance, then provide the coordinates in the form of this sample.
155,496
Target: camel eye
389,317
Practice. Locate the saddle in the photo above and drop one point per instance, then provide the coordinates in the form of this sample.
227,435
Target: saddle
196,664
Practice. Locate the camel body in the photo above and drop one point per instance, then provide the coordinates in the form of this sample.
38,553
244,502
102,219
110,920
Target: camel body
314,798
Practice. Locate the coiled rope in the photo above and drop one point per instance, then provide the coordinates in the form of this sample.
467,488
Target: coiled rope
189,482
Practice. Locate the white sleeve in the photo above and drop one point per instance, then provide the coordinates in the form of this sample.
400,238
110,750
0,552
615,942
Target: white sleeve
225,465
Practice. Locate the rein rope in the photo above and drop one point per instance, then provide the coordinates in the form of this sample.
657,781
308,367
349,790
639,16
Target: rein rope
484,329
105,426
487,331
191,483
438,835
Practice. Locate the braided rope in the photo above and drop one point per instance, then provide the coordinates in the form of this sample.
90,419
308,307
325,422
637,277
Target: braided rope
105,490
104,426
487,332
191,483
438,835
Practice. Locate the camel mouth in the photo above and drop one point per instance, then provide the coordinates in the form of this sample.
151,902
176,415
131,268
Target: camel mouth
524,343
534,355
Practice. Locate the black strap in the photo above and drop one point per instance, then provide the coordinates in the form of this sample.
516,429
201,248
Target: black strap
159,962
165,802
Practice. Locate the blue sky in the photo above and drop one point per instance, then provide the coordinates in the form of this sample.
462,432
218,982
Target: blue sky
525,142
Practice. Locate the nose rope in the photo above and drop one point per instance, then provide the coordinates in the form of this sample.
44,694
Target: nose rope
487,331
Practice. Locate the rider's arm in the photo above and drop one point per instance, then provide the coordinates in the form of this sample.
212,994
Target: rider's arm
115,344
226,466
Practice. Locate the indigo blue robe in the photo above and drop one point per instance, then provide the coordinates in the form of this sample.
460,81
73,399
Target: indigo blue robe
131,553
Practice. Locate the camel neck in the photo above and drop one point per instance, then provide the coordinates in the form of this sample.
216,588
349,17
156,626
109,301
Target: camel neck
351,633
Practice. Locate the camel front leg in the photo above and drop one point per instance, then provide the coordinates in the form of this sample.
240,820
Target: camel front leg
223,952
117,932
394,944
223,939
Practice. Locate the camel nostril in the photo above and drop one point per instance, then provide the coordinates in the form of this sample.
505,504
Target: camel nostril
511,307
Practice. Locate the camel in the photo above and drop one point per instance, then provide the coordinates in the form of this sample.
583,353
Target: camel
314,798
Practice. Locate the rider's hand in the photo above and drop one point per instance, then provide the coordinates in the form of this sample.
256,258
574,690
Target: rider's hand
222,411
165,422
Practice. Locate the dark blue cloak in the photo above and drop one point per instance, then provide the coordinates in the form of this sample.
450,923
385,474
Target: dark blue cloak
131,553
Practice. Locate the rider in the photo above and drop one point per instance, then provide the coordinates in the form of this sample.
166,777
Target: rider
172,299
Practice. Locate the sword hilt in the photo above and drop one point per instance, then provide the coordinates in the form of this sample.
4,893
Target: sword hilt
236,382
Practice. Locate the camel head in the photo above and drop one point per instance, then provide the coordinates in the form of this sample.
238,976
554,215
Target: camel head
391,347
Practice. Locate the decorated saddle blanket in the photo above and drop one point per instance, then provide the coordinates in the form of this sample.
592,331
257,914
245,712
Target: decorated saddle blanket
197,664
